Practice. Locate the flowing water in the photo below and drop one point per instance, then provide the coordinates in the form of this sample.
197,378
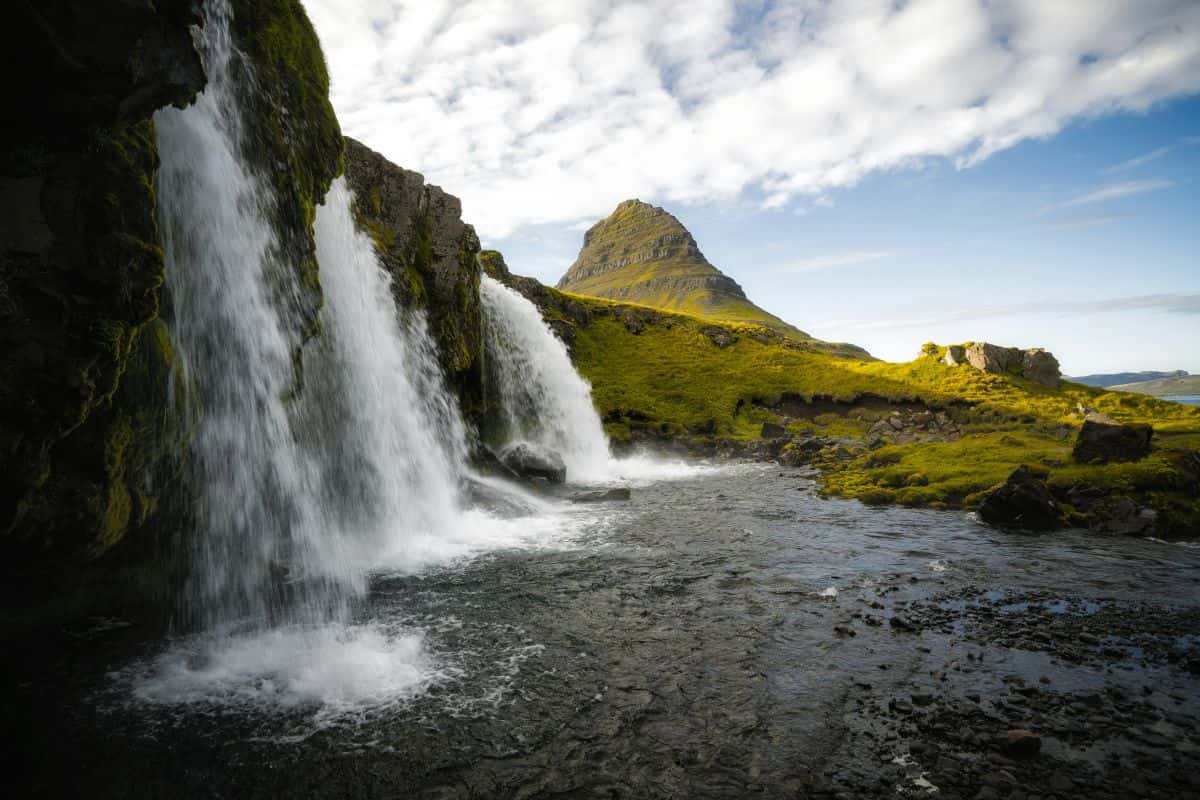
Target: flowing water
537,396
717,636
540,397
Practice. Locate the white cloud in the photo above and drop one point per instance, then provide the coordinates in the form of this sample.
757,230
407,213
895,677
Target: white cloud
549,111
1116,191
830,260
1141,160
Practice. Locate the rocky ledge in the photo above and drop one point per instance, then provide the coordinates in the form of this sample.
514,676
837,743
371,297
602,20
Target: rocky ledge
1035,364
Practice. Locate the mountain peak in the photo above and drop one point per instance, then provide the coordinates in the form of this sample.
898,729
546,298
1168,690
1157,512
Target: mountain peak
641,253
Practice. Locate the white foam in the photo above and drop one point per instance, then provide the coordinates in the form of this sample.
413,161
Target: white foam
335,669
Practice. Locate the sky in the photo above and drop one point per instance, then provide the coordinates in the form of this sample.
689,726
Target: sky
875,171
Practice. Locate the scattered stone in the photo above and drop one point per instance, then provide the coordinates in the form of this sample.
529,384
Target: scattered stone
1022,502
1099,442
1020,742
773,430
719,336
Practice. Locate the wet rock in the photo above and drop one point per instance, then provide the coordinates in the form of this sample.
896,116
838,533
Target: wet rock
532,461
901,624
1099,442
1020,742
602,496
1022,502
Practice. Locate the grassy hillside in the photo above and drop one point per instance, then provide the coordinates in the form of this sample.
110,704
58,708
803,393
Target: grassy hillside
656,374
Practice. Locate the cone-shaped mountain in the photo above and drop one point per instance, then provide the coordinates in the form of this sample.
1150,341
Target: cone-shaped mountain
643,254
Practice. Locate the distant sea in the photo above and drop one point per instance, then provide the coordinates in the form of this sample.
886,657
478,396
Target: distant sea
1186,399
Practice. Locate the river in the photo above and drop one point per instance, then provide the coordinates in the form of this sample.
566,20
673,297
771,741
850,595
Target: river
726,633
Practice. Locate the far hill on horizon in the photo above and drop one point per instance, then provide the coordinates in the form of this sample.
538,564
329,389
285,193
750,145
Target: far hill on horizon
1120,378
642,254
1172,386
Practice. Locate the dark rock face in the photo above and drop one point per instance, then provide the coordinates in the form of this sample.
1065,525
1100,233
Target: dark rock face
531,461
80,264
772,430
432,256
1103,442
89,455
1022,502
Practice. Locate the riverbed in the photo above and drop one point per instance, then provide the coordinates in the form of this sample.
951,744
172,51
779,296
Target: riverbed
725,633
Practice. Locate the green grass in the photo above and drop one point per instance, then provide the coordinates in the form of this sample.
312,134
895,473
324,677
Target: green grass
672,380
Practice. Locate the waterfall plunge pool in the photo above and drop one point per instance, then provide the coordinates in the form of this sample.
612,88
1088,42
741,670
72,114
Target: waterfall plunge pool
723,633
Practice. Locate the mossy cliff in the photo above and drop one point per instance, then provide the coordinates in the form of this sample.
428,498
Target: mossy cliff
642,254
432,256
922,433
81,267
89,451
292,136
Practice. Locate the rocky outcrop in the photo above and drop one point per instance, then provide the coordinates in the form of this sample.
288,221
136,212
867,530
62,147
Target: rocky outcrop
1105,441
1035,364
432,256
1023,501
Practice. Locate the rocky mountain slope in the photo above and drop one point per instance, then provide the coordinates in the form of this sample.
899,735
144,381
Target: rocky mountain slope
642,254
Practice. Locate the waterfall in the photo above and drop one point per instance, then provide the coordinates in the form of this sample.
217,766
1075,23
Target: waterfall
255,485
299,489
542,399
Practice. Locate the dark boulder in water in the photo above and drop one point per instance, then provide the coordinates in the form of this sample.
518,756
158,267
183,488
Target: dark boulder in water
1022,502
533,461
602,496
1104,442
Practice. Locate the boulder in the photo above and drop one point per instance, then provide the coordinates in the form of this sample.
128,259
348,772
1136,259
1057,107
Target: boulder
1040,366
719,336
772,430
993,358
1023,501
529,460
1100,442
1035,364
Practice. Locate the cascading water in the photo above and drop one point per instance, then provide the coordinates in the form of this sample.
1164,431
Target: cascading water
255,486
542,399
300,490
